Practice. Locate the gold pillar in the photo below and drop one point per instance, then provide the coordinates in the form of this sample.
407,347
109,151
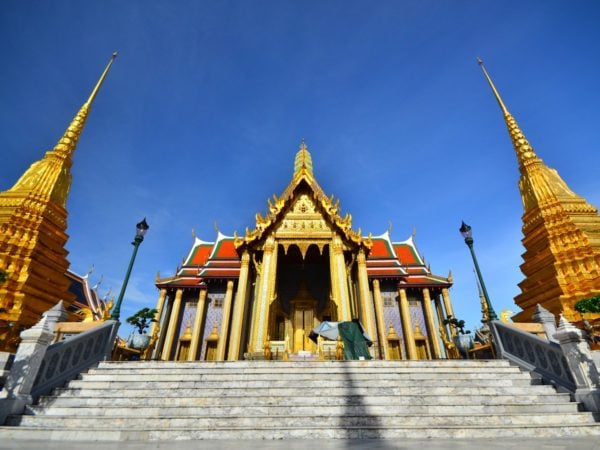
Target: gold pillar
366,305
238,309
339,285
442,329
407,328
380,319
159,307
448,307
198,319
434,339
160,304
265,295
225,322
166,353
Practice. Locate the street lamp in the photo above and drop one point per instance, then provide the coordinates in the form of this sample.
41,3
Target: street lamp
466,232
140,231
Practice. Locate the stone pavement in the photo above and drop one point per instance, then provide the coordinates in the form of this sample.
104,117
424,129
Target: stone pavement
575,443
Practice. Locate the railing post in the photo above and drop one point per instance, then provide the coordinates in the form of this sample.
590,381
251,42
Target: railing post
547,319
29,357
579,358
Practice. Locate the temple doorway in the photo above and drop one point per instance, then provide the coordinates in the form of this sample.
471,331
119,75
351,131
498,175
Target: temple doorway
303,287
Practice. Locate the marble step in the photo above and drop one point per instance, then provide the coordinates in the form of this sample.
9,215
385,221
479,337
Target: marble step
303,400
301,376
319,366
133,390
321,384
313,432
303,421
118,400
283,410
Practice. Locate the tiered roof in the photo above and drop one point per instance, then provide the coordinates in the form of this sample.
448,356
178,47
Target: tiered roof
221,259
206,260
387,259
402,261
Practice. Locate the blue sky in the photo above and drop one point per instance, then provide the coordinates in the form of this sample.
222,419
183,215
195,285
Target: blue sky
203,111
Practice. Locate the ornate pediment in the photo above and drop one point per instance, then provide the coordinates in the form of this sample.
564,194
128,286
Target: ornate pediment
303,213
303,221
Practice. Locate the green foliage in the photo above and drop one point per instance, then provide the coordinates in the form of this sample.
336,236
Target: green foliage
3,276
142,319
459,325
588,305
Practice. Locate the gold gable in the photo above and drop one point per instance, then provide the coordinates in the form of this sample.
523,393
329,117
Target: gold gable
303,210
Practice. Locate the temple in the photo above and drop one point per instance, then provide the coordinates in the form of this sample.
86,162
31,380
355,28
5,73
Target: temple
33,224
561,234
260,295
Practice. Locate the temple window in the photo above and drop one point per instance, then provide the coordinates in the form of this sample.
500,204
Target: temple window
218,303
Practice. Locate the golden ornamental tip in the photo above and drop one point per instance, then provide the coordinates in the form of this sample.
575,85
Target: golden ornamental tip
522,147
494,90
101,80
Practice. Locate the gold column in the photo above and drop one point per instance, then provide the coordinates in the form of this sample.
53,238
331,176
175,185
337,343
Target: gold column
440,314
198,319
225,322
339,285
166,354
407,327
448,307
168,307
434,338
366,305
238,309
159,308
380,319
266,293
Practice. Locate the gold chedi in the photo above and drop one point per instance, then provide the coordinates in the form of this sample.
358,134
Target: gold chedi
561,232
33,223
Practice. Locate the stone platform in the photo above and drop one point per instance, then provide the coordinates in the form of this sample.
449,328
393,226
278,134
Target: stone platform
160,401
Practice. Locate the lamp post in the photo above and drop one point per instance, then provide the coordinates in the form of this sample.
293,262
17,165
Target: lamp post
140,230
466,232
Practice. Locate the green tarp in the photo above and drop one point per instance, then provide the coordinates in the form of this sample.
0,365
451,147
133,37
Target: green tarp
355,344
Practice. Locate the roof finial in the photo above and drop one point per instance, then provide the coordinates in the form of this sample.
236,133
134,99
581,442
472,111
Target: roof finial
496,94
303,162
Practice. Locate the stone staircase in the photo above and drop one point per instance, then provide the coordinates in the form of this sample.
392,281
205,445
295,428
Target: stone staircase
301,400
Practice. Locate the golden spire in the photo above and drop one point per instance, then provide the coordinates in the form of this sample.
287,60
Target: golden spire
561,233
524,150
484,307
50,177
496,94
33,223
303,160
68,141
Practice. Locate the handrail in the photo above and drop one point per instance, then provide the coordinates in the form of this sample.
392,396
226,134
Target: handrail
534,354
66,359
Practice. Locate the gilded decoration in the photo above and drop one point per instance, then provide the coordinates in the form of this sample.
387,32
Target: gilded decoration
562,249
33,222
301,265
